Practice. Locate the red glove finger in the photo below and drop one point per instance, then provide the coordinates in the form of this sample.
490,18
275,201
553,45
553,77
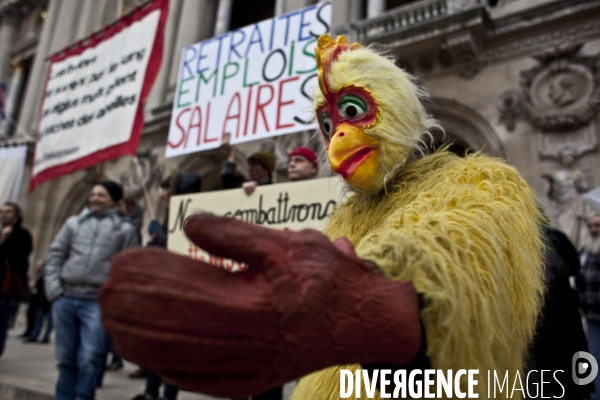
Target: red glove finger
238,240
154,290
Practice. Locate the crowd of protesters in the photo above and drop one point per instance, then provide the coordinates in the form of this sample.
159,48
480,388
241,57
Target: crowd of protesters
62,291
63,288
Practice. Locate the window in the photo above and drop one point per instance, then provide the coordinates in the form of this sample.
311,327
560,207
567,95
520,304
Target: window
389,4
243,15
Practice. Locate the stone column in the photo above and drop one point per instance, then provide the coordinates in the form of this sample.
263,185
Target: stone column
356,7
280,7
37,73
340,14
12,102
96,21
64,34
189,31
156,96
375,8
84,24
8,32
109,14
223,17
291,5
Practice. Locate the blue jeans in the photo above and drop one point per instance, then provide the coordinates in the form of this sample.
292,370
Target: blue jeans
81,346
8,307
594,347
39,322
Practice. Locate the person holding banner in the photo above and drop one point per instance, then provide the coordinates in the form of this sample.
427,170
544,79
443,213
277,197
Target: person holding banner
260,166
302,164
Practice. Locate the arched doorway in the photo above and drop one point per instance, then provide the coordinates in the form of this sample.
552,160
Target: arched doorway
72,204
465,128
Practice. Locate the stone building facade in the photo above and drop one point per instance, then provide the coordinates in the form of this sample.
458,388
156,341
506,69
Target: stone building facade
518,79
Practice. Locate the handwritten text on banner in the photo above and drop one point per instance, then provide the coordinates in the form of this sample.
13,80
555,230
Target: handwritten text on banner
296,206
91,98
254,83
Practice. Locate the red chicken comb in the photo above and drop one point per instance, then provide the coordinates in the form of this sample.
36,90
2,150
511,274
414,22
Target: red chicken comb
327,52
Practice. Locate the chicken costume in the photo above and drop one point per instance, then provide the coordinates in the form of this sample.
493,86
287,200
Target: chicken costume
437,247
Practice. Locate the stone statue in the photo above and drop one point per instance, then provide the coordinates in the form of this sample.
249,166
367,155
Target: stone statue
566,190
151,172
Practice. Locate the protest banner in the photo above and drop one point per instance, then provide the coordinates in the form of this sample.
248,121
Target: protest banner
12,165
92,104
294,205
255,82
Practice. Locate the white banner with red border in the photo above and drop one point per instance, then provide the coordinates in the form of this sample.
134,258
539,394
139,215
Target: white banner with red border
92,104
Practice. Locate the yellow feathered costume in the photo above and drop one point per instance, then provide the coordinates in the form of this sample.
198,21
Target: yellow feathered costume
465,231
463,234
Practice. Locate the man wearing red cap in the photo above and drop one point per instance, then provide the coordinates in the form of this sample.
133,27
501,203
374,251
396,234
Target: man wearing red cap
302,164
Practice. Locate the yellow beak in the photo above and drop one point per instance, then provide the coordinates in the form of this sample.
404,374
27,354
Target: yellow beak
354,155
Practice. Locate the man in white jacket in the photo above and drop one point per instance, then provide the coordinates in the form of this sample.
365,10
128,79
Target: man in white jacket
78,264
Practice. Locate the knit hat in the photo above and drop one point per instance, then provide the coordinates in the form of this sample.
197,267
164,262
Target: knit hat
306,153
114,189
265,158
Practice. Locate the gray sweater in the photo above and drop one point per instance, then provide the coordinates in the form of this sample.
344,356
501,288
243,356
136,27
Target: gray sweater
78,262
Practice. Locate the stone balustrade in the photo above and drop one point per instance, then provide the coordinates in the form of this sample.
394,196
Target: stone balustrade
399,19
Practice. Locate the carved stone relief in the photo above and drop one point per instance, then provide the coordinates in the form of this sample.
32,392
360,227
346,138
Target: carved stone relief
581,140
509,104
149,171
565,189
92,174
460,51
560,94
531,43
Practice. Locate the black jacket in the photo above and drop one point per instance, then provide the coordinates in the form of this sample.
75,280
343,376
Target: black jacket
39,298
14,251
229,180
181,183
560,333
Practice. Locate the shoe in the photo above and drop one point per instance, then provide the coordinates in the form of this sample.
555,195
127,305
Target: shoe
138,373
45,341
27,340
114,366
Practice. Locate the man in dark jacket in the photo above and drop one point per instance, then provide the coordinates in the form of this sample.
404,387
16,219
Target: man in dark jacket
177,183
15,247
78,263
589,287
560,333
131,212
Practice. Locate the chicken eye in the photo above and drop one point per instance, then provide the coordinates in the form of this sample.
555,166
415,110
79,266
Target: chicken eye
326,124
352,107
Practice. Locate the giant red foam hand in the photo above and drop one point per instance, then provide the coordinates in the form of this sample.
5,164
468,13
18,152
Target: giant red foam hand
304,304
